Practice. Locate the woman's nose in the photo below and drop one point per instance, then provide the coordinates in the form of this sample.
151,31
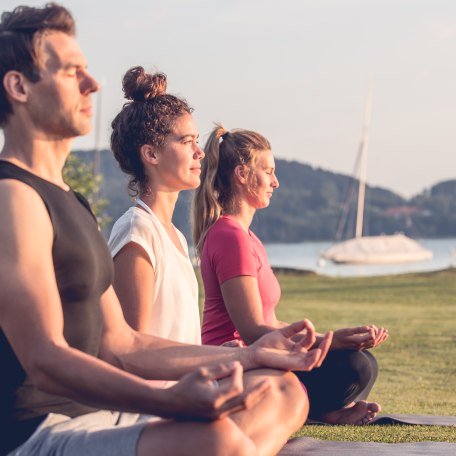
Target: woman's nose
275,182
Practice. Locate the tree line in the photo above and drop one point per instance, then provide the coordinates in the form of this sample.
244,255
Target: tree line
307,207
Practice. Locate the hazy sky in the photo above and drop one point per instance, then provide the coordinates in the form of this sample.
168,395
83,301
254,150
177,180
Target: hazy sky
296,71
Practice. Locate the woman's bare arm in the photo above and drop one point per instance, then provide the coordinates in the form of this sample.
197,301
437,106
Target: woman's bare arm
134,281
243,302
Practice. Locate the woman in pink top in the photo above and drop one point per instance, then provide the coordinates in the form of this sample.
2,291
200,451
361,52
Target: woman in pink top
241,290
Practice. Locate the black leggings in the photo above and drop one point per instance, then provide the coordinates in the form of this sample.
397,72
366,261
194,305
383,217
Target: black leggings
345,376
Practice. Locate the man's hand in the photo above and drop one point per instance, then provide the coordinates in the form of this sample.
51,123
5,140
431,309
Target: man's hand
358,338
199,396
276,349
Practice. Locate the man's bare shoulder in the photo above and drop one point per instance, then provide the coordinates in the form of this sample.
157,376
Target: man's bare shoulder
12,189
25,219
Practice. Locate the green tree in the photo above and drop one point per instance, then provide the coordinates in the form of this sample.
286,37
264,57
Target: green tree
79,175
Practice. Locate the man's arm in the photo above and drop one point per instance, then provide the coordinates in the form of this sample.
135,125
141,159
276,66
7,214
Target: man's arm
32,320
156,358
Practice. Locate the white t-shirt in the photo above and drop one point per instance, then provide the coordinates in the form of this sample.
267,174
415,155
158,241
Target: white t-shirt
175,313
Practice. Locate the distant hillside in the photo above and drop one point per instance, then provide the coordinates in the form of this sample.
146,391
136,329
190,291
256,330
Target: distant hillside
440,201
308,205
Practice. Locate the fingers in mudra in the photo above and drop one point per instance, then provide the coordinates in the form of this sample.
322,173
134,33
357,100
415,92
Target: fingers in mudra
309,337
231,387
317,355
324,347
246,400
228,396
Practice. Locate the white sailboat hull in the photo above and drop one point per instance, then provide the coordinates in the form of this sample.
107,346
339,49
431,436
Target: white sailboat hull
385,249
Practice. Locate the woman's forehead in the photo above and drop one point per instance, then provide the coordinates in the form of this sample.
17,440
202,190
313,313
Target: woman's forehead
265,158
185,125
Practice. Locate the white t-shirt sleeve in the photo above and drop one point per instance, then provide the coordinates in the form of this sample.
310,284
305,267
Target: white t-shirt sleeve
132,227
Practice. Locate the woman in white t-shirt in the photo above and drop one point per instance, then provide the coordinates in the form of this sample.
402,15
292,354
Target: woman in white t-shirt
170,288
154,276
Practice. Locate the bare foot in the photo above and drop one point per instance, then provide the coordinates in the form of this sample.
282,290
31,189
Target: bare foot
358,413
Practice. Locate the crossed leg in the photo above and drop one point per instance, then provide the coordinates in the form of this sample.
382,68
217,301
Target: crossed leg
339,388
261,430
283,411
172,438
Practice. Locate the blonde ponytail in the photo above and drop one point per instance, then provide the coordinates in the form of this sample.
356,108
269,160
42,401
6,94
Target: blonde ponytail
206,208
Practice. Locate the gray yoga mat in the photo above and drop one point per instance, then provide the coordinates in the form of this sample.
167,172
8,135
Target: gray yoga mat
305,446
426,420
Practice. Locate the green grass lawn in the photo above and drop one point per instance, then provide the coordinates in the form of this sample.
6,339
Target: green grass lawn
417,365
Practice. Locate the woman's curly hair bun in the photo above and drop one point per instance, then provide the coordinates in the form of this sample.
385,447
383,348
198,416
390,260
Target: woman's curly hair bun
141,86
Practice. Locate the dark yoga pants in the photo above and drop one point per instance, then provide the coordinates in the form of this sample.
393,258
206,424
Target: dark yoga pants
345,376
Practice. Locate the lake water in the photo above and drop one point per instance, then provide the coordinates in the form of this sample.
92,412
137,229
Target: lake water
305,255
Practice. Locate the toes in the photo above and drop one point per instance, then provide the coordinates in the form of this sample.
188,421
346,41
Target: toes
358,414
373,407
366,419
369,410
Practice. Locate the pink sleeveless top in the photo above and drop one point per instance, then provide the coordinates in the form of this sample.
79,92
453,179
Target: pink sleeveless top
230,252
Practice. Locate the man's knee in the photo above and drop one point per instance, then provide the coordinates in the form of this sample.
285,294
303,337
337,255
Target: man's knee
220,437
293,396
227,439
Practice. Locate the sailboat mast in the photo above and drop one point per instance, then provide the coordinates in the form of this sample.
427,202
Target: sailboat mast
96,150
363,162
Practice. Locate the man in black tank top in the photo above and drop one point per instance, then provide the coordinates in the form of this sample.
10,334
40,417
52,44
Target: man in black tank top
66,353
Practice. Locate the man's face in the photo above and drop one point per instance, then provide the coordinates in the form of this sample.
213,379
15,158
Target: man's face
60,104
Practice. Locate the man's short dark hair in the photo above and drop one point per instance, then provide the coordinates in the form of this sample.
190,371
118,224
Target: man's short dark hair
21,32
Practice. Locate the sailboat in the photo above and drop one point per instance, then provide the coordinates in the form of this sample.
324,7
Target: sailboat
383,249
